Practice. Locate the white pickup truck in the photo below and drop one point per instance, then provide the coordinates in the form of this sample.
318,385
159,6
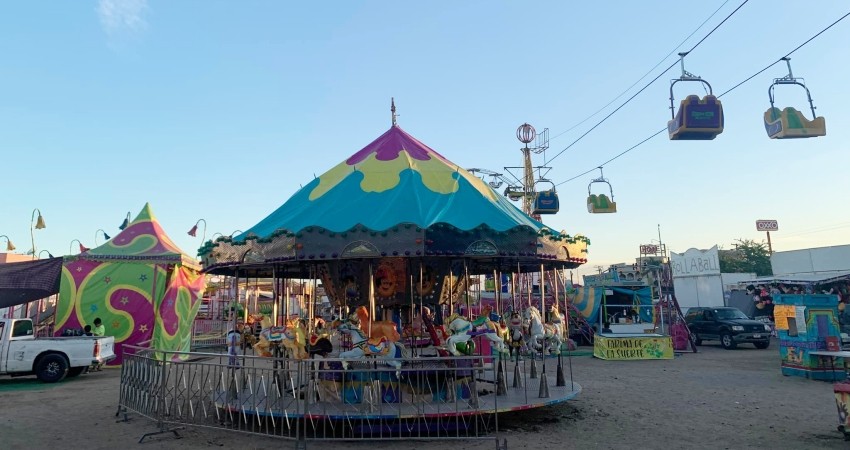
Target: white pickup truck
50,359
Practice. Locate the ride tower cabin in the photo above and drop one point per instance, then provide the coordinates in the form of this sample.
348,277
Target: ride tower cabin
789,123
600,203
697,119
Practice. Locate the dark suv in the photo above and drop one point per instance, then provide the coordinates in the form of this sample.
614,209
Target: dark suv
728,325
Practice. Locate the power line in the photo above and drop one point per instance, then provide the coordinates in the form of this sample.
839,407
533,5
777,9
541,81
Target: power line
646,86
721,95
643,76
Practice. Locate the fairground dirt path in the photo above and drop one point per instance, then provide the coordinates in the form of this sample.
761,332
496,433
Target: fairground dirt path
715,399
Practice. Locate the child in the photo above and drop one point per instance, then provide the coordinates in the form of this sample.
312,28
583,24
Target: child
99,329
233,338
87,331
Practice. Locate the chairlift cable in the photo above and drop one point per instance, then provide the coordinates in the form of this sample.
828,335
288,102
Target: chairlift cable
787,55
647,85
721,95
644,75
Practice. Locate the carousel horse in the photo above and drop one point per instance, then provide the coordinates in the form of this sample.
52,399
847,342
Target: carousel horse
383,348
300,346
295,340
516,336
557,320
378,328
263,344
498,324
541,335
463,330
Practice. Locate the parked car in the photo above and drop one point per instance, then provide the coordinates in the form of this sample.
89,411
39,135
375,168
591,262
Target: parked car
728,325
50,359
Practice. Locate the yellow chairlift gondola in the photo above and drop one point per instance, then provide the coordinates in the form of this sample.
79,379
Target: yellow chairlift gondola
789,122
600,203
697,119
545,202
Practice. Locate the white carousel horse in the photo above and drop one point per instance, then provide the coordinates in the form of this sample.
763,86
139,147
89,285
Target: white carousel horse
389,351
463,330
541,335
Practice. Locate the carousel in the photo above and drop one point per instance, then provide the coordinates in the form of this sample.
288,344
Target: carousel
397,236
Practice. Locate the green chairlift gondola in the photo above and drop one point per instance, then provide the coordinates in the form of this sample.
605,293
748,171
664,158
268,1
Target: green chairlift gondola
600,203
696,119
790,123
545,202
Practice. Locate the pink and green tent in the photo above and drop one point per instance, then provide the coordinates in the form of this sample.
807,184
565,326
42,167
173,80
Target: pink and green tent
139,283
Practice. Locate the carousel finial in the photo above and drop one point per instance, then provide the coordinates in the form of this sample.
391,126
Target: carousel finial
392,109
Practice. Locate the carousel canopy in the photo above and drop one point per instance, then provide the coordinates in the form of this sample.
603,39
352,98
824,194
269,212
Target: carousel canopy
395,179
396,197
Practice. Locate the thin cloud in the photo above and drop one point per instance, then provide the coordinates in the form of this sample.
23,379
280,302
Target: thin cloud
121,16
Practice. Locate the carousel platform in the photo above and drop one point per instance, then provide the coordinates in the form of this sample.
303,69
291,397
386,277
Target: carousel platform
424,390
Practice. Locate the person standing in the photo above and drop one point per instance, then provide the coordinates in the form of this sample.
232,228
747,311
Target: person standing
99,329
233,338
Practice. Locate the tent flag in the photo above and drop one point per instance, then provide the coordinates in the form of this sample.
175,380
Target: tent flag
176,311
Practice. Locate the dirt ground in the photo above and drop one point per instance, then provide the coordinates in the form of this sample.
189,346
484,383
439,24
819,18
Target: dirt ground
715,399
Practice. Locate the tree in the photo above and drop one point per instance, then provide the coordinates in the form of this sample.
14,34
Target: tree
748,256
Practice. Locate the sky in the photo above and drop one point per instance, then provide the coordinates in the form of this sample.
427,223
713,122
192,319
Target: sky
221,110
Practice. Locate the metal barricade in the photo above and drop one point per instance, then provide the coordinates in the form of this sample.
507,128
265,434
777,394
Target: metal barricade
314,400
209,333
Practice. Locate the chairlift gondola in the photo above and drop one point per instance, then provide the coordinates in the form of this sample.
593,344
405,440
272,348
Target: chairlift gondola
789,122
514,193
600,203
545,202
697,119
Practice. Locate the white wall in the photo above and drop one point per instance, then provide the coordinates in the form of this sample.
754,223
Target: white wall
704,290
822,261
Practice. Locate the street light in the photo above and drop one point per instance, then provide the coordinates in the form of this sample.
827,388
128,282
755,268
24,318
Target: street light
9,245
194,231
83,248
48,254
125,222
105,236
36,224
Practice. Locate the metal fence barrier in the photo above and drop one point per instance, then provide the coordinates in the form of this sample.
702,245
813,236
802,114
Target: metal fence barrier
208,333
314,400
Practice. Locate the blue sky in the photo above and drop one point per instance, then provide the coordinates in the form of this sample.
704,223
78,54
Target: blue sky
221,110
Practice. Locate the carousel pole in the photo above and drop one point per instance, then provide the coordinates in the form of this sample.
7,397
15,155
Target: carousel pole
419,289
497,286
275,293
410,320
371,298
559,372
543,392
466,289
451,289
